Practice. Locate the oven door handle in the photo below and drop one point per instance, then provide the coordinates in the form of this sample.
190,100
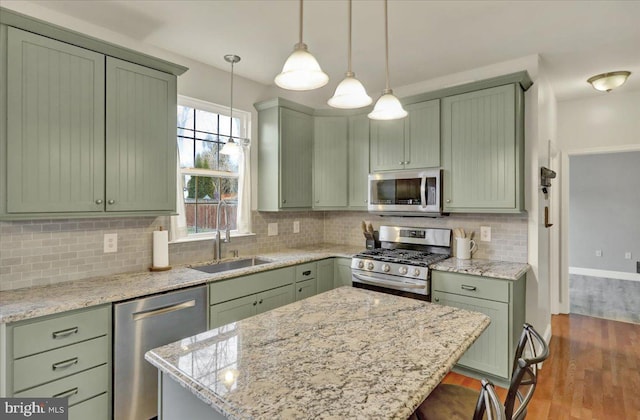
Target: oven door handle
399,285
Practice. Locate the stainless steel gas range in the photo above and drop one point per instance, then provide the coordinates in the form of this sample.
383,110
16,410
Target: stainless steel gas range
401,265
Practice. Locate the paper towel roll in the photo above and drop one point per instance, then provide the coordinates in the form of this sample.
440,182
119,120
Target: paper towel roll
160,248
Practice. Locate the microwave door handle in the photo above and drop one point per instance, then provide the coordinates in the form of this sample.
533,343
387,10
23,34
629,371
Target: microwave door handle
423,193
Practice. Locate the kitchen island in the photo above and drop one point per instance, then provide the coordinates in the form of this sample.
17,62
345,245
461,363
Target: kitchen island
346,353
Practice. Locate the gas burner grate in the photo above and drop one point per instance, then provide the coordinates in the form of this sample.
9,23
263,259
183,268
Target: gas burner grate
403,256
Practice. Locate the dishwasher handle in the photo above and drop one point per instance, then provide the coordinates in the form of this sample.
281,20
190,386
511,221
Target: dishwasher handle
137,316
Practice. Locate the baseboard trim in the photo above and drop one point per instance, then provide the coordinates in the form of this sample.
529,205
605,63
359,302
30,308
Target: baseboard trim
592,272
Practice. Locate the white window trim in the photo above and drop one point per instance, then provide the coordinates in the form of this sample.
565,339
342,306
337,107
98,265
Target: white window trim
217,109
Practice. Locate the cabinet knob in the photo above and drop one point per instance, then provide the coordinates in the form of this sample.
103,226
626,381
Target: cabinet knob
317,201
437,299
366,201
284,201
401,162
260,301
111,201
300,290
98,201
255,303
448,201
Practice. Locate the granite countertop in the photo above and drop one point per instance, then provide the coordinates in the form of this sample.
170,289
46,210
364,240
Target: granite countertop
485,268
345,353
20,304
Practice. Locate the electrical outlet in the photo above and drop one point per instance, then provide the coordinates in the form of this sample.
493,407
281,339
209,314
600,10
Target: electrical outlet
272,229
598,253
627,255
485,233
296,227
110,242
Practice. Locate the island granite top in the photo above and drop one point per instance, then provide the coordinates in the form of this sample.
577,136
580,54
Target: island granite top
32,302
346,353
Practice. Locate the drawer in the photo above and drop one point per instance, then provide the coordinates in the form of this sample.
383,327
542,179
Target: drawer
225,290
59,363
78,387
97,408
467,285
60,331
305,271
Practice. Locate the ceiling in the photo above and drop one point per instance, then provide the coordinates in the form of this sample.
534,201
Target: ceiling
428,39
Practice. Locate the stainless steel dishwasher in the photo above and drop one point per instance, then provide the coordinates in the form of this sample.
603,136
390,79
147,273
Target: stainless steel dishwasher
141,325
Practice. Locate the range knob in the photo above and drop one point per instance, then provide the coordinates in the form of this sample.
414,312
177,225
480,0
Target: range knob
416,272
369,266
360,264
403,270
386,268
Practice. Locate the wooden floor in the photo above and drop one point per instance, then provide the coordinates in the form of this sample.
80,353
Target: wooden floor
593,371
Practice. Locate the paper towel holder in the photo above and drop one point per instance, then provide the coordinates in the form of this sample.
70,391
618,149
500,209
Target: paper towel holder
166,268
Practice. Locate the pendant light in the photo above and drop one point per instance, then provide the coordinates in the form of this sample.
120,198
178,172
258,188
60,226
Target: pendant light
388,106
231,147
301,71
350,93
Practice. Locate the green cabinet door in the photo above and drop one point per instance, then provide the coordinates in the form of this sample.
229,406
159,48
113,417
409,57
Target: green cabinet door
342,272
358,162
490,352
387,145
305,289
482,151
232,311
55,126
296,135
330,154
325,275
274,298
422,135
140,138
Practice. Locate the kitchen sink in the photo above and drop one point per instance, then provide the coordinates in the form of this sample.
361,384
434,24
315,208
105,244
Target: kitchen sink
231,265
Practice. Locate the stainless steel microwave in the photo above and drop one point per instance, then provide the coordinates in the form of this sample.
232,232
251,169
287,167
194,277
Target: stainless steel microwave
406,193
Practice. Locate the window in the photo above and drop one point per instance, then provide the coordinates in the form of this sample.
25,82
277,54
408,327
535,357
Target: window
207,176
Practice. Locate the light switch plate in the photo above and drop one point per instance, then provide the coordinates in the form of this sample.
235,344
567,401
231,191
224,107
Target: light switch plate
110,242
296,227
485,233
598,253
627,255
272,229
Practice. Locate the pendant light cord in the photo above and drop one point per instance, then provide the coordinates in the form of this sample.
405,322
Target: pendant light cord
231,105
349,70
386,40
301,22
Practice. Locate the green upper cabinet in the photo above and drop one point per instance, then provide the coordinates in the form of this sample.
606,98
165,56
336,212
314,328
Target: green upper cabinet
141,142
482,151
330,155
410,143
87,134
358,162
285,154
55,126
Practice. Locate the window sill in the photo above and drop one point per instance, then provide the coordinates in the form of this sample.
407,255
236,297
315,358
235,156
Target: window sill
208,237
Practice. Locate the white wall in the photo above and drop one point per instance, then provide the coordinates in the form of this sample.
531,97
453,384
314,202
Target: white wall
609,122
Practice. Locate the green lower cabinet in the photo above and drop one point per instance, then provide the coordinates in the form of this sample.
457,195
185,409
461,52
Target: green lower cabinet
305,289
274,298
325,275
97,408
342,272
232,311
503,301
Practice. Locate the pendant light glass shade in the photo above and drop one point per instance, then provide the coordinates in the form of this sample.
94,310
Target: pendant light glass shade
388,107
350,94
301,71
230,148
606,82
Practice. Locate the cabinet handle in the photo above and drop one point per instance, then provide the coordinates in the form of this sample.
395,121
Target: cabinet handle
64,333
448,201
306,273
465,287
66,394
64,364
260,301
255,302
317,201
111,201
99,201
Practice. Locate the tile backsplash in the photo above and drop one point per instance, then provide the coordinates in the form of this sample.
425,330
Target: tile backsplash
39,252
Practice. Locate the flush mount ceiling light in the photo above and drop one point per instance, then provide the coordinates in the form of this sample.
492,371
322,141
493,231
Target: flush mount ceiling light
606,82
231,147
301,71
350,93
388,106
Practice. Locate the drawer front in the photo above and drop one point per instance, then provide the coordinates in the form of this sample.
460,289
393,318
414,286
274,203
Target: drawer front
468,285
225,290
305,271
77,388
60,331
55,364
305,289
96,408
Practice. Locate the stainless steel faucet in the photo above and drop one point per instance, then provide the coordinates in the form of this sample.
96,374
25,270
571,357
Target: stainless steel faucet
227,236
